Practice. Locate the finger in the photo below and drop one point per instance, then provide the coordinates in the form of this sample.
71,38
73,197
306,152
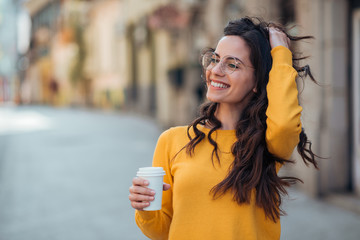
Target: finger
278,38
274,29
166,186
276,32
140,198
140,205
141,190
140,181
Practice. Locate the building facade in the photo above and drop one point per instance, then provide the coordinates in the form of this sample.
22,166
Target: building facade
37,84
354,57
8,51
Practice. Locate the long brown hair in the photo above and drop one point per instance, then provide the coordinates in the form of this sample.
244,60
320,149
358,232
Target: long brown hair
254,167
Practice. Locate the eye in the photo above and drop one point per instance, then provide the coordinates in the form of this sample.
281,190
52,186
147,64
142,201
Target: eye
213,60
233,66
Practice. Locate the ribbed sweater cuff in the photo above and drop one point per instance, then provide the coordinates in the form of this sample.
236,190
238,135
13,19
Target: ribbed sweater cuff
145,215
281,55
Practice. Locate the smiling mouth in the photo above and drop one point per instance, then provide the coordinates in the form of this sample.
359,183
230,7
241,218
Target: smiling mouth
219,85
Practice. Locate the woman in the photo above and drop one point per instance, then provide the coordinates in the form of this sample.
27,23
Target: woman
221,171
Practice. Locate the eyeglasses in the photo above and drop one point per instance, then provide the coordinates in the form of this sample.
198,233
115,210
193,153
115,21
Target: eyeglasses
228,64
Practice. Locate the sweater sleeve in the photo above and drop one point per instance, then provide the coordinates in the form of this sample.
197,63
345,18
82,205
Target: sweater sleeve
283,112
156,224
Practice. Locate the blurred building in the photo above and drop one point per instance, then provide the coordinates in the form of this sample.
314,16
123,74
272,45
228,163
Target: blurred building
138,62
143,56
332,110
38,83
8,50
106,54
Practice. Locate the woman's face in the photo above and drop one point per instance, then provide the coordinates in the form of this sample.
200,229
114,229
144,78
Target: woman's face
231,88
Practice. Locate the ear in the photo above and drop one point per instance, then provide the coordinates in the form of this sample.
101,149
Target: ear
254,90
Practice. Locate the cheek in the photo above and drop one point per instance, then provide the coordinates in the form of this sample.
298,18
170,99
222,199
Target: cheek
207,75
251,81
245,84
254,83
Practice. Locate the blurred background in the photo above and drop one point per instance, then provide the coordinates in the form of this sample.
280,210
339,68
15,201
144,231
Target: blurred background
87,86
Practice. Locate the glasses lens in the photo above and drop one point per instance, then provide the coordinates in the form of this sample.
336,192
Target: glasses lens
209,60
229,65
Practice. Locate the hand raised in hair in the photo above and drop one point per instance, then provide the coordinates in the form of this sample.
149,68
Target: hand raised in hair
278,38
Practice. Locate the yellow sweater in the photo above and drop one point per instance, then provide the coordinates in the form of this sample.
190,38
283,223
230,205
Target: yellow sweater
189,211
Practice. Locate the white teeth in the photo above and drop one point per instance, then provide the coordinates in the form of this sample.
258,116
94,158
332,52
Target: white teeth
219,85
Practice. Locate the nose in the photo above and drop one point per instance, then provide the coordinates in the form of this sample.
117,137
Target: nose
217,69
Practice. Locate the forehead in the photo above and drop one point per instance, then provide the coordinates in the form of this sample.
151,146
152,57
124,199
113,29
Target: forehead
233,46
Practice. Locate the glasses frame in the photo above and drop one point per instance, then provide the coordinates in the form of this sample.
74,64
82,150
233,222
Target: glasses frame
223,67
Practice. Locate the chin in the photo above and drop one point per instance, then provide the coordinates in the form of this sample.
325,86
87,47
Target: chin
208,97
212,99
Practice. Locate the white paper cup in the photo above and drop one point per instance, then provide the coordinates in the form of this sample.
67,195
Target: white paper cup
155,176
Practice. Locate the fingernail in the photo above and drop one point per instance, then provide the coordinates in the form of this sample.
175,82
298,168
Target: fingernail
153,192
146,182
152,198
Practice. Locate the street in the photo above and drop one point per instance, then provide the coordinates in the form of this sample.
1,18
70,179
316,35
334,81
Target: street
65,175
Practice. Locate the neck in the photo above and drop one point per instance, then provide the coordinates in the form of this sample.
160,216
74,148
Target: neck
228,115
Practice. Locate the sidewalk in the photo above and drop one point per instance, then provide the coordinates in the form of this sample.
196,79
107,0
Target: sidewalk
314,219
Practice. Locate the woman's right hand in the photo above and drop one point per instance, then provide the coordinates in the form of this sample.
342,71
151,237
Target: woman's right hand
141,196
278,38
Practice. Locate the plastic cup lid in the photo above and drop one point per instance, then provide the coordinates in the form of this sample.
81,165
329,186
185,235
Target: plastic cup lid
151,171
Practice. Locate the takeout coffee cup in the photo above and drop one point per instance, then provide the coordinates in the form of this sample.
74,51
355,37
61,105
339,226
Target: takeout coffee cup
155,176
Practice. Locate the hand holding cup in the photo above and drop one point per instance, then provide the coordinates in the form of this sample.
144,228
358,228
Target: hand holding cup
143,191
